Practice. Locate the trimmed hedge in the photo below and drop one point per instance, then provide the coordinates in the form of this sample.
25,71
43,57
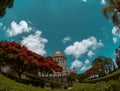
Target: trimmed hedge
113,76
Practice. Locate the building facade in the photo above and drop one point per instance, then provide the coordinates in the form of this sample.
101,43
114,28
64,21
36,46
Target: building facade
59,57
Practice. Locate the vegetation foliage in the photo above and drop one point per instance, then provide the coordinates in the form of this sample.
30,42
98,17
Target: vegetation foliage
113,76
10,85
101,66
20,59
4,4
111,11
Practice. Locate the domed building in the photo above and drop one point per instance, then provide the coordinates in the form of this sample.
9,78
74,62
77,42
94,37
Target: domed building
59,57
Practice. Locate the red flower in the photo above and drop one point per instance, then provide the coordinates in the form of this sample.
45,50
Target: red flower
26,61
1,49
35,61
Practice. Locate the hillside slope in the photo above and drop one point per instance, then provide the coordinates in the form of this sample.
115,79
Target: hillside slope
7,84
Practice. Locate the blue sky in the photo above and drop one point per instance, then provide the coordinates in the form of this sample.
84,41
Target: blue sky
75,27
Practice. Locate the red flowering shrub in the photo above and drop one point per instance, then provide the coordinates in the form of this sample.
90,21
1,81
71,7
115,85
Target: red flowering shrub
20,59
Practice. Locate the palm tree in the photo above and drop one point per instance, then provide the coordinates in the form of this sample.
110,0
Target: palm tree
112,11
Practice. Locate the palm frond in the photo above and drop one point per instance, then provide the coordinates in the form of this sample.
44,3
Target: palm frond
112,1
115,18
108,10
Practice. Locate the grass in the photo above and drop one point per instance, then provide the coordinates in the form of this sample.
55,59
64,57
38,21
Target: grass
82,86
7,84
99,86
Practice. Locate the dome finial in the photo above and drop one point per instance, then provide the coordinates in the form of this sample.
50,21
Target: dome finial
58,53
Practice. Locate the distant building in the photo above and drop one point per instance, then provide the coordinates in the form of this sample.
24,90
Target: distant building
59,57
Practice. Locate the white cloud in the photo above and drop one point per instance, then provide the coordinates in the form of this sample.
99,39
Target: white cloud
66,39
4,28
82,47
103,2
84,68
116,31
115,39
16,29
35,43
1,24
76,64
80,65
90,53
100,44
86,65
87,61
84,0
116,34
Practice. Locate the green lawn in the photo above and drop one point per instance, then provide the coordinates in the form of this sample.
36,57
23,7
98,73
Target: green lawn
82,86
7,84
99,86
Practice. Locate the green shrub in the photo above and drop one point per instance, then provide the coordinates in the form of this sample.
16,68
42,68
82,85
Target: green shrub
113,76
55,85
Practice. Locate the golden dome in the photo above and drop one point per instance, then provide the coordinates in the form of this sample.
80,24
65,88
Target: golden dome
58,54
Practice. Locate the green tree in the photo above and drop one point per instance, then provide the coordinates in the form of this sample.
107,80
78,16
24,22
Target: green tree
20,59
106,64
73,77
112,10
101,66
4,4
82,76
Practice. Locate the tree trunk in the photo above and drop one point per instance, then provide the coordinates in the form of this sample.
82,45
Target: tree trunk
0,70
103,74
19,77
110,71
41,74
48,76
99,74
113,67
62,76
57,76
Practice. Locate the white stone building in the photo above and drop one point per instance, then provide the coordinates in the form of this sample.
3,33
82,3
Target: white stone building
59,57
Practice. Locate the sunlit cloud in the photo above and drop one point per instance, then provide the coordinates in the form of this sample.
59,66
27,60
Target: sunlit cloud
66,39
35,43
19,28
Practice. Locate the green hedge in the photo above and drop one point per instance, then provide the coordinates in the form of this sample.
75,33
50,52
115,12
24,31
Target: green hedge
113,76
